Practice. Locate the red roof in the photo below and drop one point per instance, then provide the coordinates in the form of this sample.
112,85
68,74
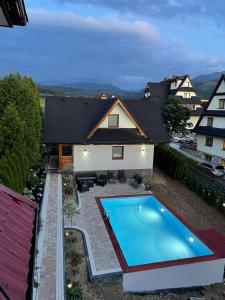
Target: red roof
17,227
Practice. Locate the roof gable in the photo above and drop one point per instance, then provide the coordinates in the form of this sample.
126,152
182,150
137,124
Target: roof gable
216,90
126,111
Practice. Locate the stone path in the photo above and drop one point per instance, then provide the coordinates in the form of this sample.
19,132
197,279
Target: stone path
89,220
50,242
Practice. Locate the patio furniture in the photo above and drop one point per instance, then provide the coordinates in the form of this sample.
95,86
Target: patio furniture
111,177
90,183
86,176
101,180
82,186
135,181
122,176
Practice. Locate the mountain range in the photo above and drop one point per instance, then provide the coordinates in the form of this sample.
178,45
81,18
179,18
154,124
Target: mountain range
204,85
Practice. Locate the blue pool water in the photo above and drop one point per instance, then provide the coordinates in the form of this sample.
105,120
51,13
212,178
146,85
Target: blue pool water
147,232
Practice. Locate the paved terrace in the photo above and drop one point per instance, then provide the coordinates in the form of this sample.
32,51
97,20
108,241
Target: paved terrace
102,256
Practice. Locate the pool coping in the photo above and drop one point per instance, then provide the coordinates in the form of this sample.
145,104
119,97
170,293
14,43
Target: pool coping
157,265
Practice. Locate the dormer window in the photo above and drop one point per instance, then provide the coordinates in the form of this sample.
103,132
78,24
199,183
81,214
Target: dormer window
221,103
113,121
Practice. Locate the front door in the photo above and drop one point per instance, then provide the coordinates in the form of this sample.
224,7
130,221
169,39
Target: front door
65,155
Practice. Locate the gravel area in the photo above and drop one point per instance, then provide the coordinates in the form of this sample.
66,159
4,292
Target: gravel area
194,210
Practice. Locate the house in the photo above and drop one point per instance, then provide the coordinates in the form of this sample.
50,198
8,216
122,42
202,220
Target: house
96,135
210,128
13,12
180,87
18,219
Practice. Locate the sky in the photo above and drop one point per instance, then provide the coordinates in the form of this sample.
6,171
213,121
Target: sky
121,42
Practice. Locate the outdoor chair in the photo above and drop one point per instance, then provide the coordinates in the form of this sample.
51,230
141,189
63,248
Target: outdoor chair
122,176
135,181
111,177
101,180
82,186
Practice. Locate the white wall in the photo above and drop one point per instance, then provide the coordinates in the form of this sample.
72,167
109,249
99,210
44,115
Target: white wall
99,157
216,149
174,85
187,83
218,122
189,94
189,275
214,104
124,120
221,88
193,120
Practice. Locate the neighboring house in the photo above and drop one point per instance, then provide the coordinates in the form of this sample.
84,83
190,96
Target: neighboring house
18,219
210,128
182,88
96,135
12,12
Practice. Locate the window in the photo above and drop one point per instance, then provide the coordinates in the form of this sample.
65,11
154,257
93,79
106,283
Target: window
209,141
185,95
210,121
113,121
208,157
221,103
117,152
223,144
66,150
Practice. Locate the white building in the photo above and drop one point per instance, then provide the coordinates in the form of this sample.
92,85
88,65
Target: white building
210,128
180,87
96,135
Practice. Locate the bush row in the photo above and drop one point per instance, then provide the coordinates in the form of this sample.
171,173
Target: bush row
172,162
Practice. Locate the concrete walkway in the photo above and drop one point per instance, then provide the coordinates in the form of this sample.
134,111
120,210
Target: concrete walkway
102,256
49,261
176,146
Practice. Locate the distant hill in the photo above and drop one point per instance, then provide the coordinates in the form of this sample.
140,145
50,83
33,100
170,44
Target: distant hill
204,84
86,90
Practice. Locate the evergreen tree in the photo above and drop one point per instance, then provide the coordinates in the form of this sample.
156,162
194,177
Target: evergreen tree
21,129
175,116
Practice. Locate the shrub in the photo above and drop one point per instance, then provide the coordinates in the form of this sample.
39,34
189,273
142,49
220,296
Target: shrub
75,292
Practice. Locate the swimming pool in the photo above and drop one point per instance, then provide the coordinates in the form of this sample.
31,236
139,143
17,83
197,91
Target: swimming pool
147,232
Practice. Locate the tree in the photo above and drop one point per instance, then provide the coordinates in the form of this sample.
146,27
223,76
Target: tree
175,116
21,130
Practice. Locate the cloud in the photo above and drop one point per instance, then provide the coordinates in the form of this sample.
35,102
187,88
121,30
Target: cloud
70,20
182,9
64,47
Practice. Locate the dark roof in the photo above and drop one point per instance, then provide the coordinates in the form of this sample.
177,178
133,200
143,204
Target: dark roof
216,113
196,112
14,12
17,222
69,120
182,89
175,78
193,100
211,131
119,136
159,92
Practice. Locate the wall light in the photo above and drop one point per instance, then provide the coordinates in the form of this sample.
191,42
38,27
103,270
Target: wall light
69,285
85,152
143,151
224,204
191,239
